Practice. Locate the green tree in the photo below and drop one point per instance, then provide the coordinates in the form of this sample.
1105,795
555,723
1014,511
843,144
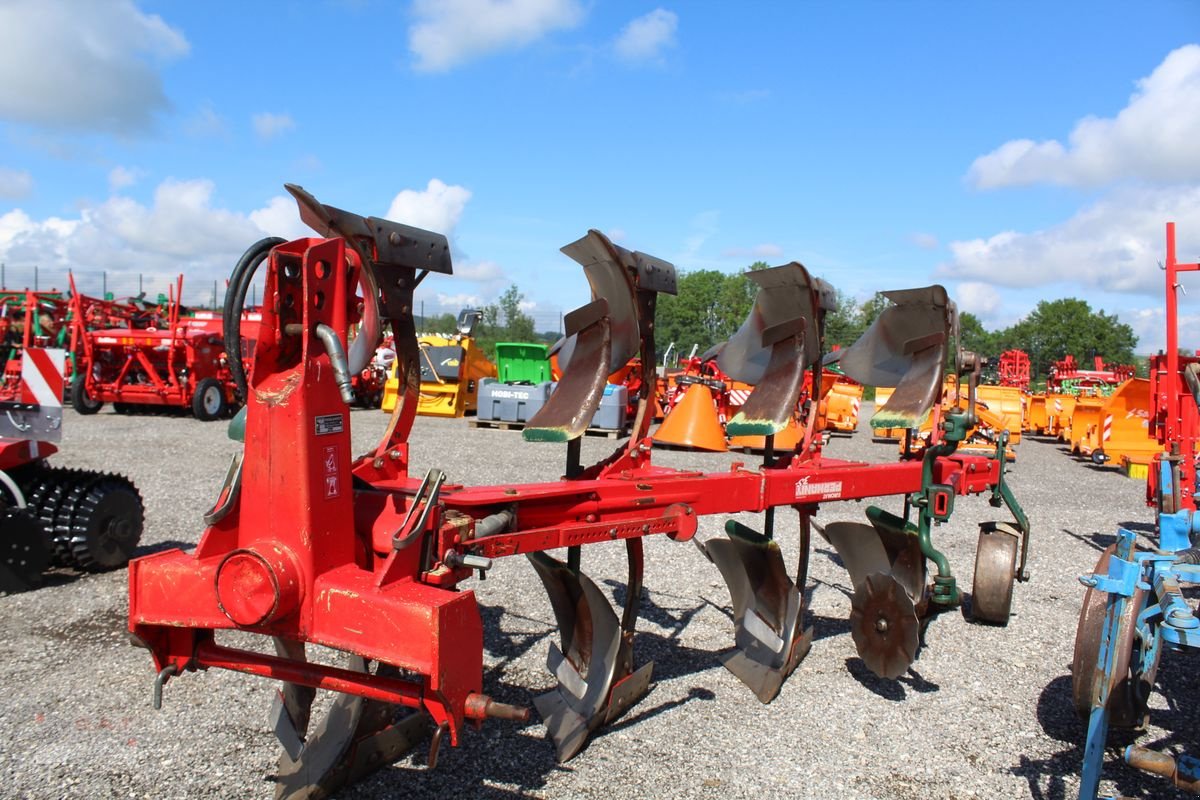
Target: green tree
709,307
843,325
1069,326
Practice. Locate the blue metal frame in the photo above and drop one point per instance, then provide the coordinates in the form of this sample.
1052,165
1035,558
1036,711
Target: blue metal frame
1163,619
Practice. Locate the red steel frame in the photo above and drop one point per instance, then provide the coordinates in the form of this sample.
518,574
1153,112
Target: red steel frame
1176,423
307,552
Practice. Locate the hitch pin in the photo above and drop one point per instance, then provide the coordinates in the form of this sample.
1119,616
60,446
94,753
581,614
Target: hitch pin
164,674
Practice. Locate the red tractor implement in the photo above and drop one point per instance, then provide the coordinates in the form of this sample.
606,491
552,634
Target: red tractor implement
182,366
51,516
308,545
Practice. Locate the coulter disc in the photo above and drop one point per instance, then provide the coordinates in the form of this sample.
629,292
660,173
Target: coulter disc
1128,689
884,625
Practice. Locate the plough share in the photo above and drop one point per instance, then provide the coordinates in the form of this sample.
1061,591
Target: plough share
308,545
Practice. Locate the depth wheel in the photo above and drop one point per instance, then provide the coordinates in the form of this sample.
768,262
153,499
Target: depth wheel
107,524
884,625
995,571
1128,693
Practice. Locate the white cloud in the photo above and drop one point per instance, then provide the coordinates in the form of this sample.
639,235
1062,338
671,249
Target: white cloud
925,241
459,300
14,183
83,65
645,38
447,33
1150,326
1114,244
180,231
480,272
760,251
980,299
1153,138
121,177
280,217
267,126
617,234
437,207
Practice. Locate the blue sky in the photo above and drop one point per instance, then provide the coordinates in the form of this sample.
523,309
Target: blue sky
1013,151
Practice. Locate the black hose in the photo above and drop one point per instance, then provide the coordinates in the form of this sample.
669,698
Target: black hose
235,301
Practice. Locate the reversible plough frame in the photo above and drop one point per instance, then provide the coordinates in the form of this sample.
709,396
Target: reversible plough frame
307,544
1133,608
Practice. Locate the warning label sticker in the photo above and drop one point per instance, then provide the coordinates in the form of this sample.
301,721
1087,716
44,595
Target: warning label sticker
329,423
332,483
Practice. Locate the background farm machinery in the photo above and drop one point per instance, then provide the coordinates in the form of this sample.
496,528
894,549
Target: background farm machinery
1133,608
180,362
307,545
51,516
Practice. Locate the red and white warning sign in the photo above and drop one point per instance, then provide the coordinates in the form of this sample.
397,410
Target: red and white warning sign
42,377
332,479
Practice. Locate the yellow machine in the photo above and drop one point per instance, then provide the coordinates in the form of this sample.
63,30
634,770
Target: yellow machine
1036,420
1121,434
451,369
842,405
1059,408
1086,415
1004,402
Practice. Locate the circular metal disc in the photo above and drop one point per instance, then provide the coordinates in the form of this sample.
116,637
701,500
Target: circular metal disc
995,569
884,625
1127,693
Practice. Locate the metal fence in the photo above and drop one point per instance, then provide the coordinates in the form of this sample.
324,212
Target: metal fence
198,294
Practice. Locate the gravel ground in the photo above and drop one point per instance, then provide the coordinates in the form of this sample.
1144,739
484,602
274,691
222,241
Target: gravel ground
985,711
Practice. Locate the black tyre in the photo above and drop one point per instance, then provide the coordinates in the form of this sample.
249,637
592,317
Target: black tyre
208,403
80,400
107,524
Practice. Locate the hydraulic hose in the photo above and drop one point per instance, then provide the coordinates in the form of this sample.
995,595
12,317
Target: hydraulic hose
235,301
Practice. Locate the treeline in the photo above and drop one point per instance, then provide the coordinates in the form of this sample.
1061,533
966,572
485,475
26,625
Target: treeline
502,321
711,305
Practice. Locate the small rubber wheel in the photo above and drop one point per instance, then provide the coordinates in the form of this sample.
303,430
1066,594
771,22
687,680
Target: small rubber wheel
208,403
80,400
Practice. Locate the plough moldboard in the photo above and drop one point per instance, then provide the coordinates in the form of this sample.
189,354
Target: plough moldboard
309,545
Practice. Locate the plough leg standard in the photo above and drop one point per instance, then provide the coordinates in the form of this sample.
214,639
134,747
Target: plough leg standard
308,545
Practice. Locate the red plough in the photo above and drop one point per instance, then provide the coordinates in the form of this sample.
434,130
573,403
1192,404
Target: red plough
308,544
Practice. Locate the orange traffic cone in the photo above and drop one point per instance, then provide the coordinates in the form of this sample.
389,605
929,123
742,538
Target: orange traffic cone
785,440
693,423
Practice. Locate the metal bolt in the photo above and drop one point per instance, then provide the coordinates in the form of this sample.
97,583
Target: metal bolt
395,239
881,625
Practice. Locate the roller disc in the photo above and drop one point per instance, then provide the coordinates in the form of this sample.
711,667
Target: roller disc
353,738
995,571
107,524
45,498
24,553
884,625
1128,689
